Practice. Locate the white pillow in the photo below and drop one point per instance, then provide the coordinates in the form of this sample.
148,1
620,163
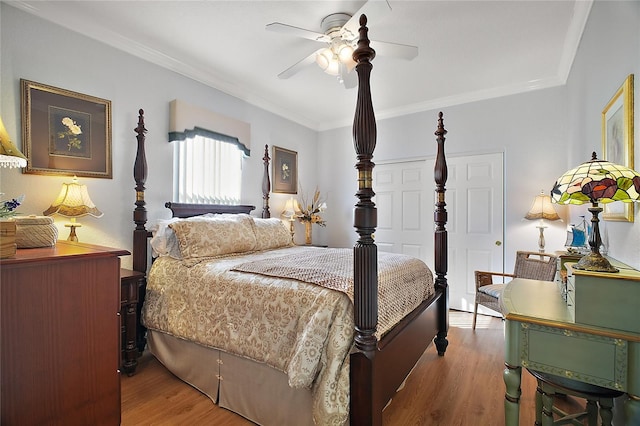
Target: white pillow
164,241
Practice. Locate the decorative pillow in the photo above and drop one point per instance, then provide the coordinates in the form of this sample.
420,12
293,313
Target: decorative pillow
214,236
164,241
271,233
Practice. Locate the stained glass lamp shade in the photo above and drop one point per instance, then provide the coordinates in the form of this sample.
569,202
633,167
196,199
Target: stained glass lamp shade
595,182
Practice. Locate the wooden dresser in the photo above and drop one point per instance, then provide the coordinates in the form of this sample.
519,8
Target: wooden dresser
60,340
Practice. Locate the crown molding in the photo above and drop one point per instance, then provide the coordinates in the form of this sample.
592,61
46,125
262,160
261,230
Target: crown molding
209,78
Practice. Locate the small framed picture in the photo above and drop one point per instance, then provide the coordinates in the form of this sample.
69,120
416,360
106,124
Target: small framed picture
285,171
617,142
65,132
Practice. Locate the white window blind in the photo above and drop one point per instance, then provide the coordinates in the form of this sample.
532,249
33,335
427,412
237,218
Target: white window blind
207,170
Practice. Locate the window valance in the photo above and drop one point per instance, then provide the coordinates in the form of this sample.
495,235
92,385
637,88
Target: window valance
189,120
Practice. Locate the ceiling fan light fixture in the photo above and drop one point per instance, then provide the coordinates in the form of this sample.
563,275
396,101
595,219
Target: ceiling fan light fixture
323,58
345,53
328,61
334,67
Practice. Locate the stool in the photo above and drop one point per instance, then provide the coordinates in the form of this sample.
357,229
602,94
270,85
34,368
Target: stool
596,396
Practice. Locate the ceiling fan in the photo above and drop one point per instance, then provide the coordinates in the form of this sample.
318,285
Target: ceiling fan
340,33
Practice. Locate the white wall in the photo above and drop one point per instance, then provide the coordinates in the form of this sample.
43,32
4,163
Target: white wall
529,129
542,134
608,53
38,50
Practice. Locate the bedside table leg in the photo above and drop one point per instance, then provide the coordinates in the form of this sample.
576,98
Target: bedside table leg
130,361
128,316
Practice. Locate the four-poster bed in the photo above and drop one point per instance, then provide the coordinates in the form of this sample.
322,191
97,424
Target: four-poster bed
247,379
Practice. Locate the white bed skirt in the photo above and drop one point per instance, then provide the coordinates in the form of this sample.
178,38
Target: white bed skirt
255,391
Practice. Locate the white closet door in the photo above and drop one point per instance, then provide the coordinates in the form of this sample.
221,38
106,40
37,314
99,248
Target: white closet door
474,197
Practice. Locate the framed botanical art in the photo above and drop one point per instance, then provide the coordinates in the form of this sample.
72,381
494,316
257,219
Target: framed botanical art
285,171
617,142
65,132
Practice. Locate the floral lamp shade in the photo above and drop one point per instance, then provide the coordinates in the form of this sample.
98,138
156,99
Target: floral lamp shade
596,181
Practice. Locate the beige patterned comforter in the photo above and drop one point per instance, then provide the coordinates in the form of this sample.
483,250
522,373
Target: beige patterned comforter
304,330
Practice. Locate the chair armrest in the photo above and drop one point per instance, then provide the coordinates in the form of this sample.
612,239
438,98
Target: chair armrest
486,278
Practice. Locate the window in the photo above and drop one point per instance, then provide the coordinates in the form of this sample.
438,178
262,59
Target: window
207,154
207,168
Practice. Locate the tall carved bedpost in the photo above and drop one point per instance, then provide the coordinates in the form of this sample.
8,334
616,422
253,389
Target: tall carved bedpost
266,184
364,409
140,212
440,238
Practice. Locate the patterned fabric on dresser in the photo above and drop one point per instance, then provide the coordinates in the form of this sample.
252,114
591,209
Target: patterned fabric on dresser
301,329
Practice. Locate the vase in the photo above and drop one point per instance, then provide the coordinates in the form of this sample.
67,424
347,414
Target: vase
307,233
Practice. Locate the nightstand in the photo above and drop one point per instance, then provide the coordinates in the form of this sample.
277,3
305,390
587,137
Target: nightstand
130,284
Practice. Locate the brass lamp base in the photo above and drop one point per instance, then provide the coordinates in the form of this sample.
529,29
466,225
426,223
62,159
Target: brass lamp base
72,233
595,262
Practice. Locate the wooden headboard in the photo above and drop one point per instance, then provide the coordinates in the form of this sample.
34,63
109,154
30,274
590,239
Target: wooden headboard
188,210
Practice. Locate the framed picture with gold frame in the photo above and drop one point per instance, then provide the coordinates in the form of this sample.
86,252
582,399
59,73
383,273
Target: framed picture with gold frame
617,142
65,132
285,171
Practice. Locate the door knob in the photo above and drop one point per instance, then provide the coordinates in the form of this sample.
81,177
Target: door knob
498,243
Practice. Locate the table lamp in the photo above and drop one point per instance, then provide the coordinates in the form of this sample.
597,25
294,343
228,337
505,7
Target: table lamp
291,211
73,201
596,181
542,209
10,155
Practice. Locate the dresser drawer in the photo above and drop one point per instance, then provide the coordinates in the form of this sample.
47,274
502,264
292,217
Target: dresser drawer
606,299
580,356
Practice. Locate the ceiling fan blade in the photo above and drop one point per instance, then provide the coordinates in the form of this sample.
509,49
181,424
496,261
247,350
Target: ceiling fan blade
394,50
292,70
374,9
297,32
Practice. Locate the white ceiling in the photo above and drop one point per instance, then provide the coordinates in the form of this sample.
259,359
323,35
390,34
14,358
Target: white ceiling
468,50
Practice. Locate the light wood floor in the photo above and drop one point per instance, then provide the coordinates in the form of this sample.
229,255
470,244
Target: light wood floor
463,388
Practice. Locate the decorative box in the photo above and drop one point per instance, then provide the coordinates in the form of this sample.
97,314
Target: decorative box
7,238
35,231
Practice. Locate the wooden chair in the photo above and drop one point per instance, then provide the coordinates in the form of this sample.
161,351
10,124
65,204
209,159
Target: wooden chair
599,401
529,264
